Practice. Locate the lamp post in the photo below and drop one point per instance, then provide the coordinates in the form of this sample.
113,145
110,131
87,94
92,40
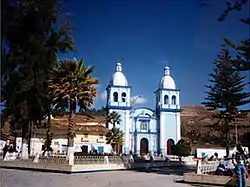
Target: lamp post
133,101
236,130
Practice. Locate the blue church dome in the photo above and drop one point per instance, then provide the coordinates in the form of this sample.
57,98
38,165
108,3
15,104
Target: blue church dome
167,82
118,78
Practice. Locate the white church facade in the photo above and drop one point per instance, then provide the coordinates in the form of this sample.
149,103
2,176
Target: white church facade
146,130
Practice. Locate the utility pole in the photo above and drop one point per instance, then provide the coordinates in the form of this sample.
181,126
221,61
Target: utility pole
133,101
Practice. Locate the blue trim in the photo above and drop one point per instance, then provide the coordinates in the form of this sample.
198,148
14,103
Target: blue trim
113,86
142,118
147,133
166,89
135,125
119,107
149,127
168,110
145,108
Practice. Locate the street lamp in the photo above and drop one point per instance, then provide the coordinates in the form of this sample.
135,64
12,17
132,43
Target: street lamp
133,101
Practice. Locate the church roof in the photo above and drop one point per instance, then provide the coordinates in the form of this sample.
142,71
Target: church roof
167,82
118,78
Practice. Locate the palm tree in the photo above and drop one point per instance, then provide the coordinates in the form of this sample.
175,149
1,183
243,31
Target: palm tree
114,118
72,84
115,138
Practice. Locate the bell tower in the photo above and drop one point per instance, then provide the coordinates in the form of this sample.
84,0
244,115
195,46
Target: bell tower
167,113
118,100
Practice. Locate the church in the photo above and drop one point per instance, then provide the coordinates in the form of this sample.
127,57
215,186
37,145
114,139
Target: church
146,130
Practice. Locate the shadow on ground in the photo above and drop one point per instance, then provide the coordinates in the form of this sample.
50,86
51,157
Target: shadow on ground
198,184
170,170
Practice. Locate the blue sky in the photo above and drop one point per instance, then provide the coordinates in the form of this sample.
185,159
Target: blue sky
148,35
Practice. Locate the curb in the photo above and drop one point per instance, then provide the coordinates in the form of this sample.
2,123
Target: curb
61,171
208,184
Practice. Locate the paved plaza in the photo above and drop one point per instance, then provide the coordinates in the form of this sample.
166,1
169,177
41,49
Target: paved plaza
21,178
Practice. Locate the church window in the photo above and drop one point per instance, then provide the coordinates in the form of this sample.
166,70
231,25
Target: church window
115,97
123,97
173,100
165,99
143,125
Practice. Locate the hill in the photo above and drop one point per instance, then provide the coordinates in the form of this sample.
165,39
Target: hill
195,121
194,124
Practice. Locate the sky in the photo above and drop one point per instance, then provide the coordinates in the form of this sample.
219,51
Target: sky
149,35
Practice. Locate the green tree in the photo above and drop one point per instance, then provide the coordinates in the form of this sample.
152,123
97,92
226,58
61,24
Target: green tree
73,84
193,136
242,60
48,141
225,95
114,137
31,38
114,118
182,148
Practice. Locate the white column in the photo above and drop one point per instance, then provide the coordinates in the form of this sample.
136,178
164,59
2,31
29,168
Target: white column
138,144
178,127
151,143
126,141
162,134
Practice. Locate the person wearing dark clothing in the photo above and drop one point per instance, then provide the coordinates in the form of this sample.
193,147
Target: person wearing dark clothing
5,149
241,172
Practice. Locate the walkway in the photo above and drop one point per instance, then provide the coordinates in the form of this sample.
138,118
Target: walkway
21,178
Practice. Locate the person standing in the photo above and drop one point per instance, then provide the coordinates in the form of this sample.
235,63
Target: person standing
241,172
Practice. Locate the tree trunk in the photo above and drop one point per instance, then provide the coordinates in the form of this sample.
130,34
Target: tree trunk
24,149
48,133
118,148
29,136
71,133
113,146
227,144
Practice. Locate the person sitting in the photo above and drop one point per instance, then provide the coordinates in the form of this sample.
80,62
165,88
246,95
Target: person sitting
221,169
205,159
216,157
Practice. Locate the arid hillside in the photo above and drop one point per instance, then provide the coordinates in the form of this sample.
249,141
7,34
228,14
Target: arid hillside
194,122
195,119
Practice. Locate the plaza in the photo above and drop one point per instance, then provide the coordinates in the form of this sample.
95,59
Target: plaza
22,178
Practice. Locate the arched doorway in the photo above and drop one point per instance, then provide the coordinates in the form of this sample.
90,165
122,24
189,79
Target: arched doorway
144,146
170,143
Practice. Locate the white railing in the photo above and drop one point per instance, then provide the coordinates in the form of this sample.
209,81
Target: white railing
89,160
62,159
206,167
53,160
99,160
